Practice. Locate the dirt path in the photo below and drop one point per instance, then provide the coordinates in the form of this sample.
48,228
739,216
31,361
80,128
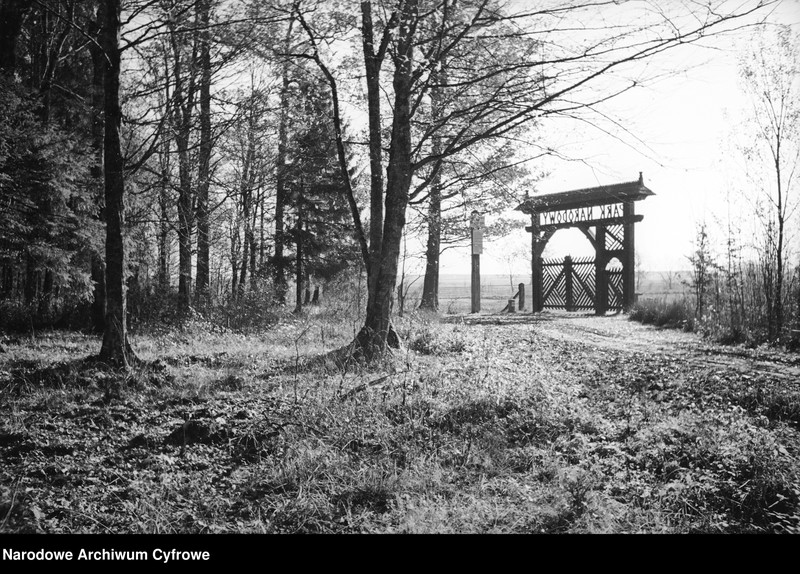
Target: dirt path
617,333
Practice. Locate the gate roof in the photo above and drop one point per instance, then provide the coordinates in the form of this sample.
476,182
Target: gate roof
587,197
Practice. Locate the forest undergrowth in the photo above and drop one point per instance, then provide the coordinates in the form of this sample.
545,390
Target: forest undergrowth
475,426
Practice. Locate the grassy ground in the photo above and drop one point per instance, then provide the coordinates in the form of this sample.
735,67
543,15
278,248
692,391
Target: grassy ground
501,425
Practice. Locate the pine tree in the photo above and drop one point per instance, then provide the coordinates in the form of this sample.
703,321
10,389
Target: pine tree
322,228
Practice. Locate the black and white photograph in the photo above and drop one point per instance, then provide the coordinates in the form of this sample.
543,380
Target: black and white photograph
384,267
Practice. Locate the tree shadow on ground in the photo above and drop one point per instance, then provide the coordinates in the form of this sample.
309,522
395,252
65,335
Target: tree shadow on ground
522,318
86,372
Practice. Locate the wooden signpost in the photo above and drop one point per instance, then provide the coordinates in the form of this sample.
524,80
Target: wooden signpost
477,225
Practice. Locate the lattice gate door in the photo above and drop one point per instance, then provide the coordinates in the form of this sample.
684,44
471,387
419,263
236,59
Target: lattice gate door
615,298
614,235
571,284
553,284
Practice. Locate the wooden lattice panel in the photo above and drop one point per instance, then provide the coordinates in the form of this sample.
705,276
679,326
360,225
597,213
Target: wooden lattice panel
583,283
615,297
615,235
553,284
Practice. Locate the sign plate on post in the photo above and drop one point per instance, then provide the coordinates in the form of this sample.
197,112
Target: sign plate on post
477,225
477,241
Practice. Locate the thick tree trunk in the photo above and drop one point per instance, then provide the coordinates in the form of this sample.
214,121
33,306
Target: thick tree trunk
115,350
98,308
12,13
184,93
204,160
430,285
372,64
375,337
46,300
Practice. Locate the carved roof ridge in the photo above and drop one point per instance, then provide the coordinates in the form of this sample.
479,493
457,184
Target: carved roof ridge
588,196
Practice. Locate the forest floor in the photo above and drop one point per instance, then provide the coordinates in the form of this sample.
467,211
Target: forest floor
481,424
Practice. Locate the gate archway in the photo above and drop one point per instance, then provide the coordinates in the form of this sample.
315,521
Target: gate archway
606,216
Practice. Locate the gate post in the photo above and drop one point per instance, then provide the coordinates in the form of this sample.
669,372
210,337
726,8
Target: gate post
521,296
600,278
568,282
538,285
537,300
628,259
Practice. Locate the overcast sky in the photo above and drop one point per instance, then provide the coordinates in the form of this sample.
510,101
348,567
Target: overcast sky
683,123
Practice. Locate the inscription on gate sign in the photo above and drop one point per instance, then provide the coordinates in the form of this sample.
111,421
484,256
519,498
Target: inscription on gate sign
581,214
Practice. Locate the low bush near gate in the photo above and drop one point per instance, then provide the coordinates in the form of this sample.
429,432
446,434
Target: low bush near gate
674,314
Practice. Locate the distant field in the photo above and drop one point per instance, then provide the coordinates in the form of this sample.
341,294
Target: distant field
454,290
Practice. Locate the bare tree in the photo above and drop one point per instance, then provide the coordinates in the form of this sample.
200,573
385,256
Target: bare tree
553,73
204,159
770,72
116,349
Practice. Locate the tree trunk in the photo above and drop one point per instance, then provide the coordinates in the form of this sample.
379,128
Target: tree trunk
430,285
203,169
299,265
184,227
372,64
115,350
245,259
374,337
12,13
254,246
98,308
163,224
246,189
184,103
234,274
30,290
280,179
779,255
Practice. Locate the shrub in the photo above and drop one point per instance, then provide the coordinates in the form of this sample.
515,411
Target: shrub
673,314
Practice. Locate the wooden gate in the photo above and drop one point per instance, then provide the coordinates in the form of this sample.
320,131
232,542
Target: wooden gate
570,284
605,214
